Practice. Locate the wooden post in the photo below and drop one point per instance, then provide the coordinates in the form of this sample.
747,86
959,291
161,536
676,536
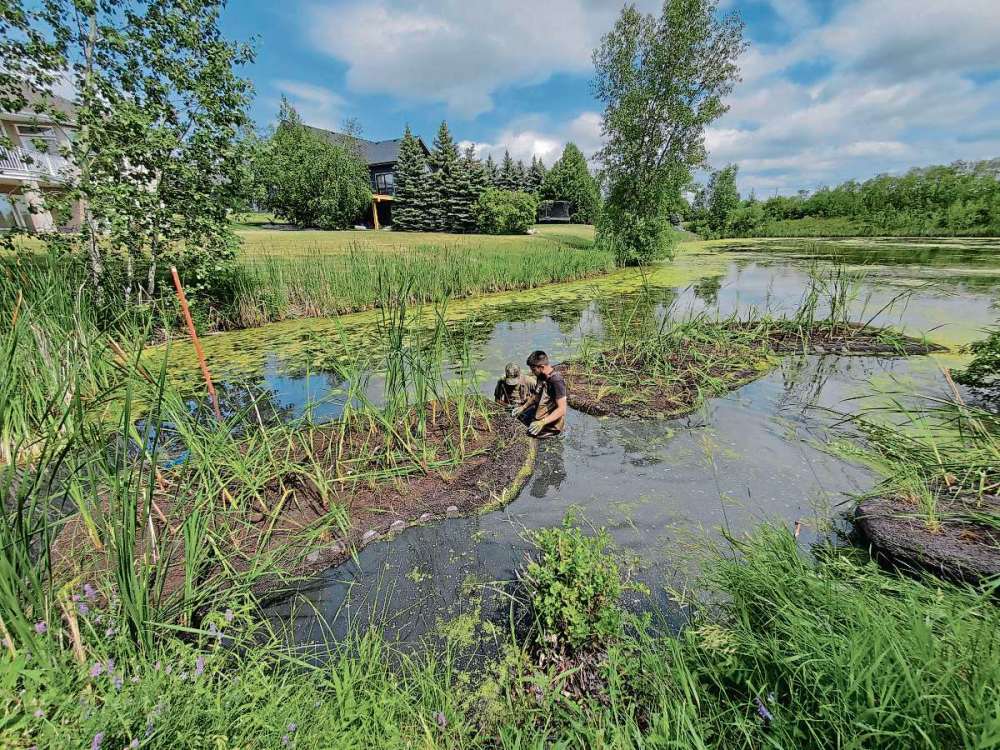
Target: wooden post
197,344
375,212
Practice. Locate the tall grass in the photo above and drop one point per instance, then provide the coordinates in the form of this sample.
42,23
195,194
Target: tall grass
274,287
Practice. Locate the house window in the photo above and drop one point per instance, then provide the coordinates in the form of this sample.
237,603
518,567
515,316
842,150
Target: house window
8,216
384,183
39,138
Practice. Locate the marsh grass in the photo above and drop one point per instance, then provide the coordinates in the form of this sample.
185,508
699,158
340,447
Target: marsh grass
651,361
277,286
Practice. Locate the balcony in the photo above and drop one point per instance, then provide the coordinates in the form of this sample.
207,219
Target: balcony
25,164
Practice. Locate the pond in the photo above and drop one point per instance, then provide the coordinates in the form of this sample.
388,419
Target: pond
665,489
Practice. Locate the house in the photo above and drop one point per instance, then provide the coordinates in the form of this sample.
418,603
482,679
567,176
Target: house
381,157
31,166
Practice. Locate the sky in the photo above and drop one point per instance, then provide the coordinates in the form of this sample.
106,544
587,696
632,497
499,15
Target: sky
831,89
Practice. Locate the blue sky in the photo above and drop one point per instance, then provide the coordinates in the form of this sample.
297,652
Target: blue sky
832,89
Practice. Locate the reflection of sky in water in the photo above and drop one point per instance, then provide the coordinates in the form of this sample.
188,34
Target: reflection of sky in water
657,485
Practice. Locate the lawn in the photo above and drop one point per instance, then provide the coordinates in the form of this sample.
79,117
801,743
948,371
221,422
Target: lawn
287,242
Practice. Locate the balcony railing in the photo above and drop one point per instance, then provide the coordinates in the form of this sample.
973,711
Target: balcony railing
26,164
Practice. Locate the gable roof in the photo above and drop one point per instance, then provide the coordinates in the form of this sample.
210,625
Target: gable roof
373,152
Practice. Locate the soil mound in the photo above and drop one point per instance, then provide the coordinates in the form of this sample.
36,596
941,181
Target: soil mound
300,527
622,386
958,550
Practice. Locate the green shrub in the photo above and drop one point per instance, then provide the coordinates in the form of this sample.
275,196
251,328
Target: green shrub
574,584
634,237
505,211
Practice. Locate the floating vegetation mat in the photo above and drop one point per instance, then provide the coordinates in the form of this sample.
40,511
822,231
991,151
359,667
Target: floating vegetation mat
337,488
963,546
670,372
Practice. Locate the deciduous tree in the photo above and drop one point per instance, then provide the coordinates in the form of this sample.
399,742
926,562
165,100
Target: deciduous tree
662,80
570,180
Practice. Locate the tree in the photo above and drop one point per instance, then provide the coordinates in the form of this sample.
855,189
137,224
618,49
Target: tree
158,111
521,176
570,180
492,171
310,180
409,210
470,183
443,193
722,198
662,81
507,179
536,175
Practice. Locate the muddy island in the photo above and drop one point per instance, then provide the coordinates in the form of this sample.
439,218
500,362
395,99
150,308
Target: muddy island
341,486
671,372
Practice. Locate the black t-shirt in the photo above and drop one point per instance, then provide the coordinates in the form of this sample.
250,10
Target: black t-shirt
554,385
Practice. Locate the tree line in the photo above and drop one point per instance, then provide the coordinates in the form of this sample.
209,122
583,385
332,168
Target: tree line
962,198
309,179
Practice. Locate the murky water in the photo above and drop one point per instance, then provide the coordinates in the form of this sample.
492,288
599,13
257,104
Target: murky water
663,488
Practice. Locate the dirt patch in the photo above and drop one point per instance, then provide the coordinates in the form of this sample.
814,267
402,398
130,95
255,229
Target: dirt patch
300,524
622,386
958,550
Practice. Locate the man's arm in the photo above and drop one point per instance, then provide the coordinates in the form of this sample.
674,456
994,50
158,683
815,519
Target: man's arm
532,400
556,414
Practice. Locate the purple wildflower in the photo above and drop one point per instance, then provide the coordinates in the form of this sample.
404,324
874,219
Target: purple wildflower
199,666
96,743
286,740
82,608
89,592
75,597
149,728
762,711
109,632
39,713
441,719
109,665
292,727
134,744
95,671
229,615
41,626
117,682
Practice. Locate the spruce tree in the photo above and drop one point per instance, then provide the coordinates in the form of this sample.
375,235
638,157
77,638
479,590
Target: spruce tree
508,173
470,181
492,172
409,209
442,193
536,174
521,176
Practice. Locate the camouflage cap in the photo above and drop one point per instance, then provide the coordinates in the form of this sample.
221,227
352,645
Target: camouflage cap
512,374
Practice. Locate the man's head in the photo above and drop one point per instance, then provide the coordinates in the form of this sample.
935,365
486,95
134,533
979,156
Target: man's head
538,361
512,374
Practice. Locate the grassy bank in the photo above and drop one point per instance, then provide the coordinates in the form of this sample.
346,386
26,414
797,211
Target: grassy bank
842,226
800,653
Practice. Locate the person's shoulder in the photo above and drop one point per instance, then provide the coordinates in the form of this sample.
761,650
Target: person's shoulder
556,376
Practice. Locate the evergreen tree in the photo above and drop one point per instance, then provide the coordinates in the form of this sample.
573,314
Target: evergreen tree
508,174
409,210
469,183
442,193
536,175
492,172
522,177
570,180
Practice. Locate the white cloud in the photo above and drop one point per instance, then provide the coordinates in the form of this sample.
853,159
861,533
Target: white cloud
459,52
316,105
897,93
535,136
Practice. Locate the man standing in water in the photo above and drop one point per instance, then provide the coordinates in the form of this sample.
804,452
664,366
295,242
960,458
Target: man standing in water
513,389
546,408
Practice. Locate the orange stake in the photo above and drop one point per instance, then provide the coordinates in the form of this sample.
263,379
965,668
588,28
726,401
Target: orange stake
197,344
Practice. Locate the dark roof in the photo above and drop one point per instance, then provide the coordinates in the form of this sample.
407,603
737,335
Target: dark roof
374,152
